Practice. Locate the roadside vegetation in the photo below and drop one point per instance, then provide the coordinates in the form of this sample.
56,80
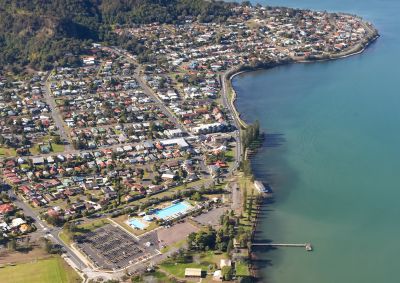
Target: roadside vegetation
71,230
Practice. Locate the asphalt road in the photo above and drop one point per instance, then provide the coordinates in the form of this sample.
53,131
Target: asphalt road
45,230
229,105
149,92
52,233
55,113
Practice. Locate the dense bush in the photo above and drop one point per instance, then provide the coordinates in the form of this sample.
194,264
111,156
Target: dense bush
38,33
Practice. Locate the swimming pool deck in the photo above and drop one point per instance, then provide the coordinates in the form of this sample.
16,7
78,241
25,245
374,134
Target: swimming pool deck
174,210
137,223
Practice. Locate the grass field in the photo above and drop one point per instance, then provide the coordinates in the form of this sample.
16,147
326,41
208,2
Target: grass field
52,270
156,276
56,148
202,260
242,269
178,244
178,269
7,152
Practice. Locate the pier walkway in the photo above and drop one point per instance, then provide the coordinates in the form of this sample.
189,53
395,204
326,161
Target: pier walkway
307,246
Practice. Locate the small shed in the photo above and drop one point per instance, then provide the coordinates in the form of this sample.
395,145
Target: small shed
192,272
225,262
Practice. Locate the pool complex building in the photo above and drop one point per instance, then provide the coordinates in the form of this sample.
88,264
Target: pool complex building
174,210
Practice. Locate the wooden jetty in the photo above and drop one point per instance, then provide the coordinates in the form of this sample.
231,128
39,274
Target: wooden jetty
307,246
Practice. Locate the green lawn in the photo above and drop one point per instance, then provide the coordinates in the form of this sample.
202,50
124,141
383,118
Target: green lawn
7,152
178,244
178,269
58,147
53,270
161,277
156,276
201,260
65,237
230,155
242,269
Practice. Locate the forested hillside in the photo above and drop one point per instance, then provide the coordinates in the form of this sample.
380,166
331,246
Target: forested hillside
38,33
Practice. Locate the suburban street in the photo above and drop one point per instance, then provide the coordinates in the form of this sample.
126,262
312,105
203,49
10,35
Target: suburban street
52,233
148,91
229,105
46,231
55,113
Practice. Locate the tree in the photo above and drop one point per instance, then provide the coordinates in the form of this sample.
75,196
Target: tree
230,246
202,240
196,196
250,207
245,196
57,139
227,273
246,167
46,244
27,242
12,244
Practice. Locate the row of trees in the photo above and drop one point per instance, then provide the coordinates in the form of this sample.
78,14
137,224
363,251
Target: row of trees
250,135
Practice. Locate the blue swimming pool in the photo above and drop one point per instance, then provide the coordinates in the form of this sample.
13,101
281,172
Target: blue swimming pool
173,210
135,223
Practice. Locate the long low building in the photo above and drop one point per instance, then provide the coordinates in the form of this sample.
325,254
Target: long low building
178,141
207,128
192,272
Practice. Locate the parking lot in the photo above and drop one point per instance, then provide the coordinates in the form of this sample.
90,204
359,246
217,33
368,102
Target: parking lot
111,248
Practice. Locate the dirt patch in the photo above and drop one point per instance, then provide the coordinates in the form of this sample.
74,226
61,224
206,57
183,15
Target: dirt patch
175,233
7,257
212,217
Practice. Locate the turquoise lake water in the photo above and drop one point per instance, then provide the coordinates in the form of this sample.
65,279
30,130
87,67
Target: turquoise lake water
332,157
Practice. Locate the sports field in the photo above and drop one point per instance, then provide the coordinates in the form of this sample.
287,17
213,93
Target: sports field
52,270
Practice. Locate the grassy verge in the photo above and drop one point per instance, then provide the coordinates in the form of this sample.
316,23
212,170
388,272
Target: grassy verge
230,156
248,191
66,236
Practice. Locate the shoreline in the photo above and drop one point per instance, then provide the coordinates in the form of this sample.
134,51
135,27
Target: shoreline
229,75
